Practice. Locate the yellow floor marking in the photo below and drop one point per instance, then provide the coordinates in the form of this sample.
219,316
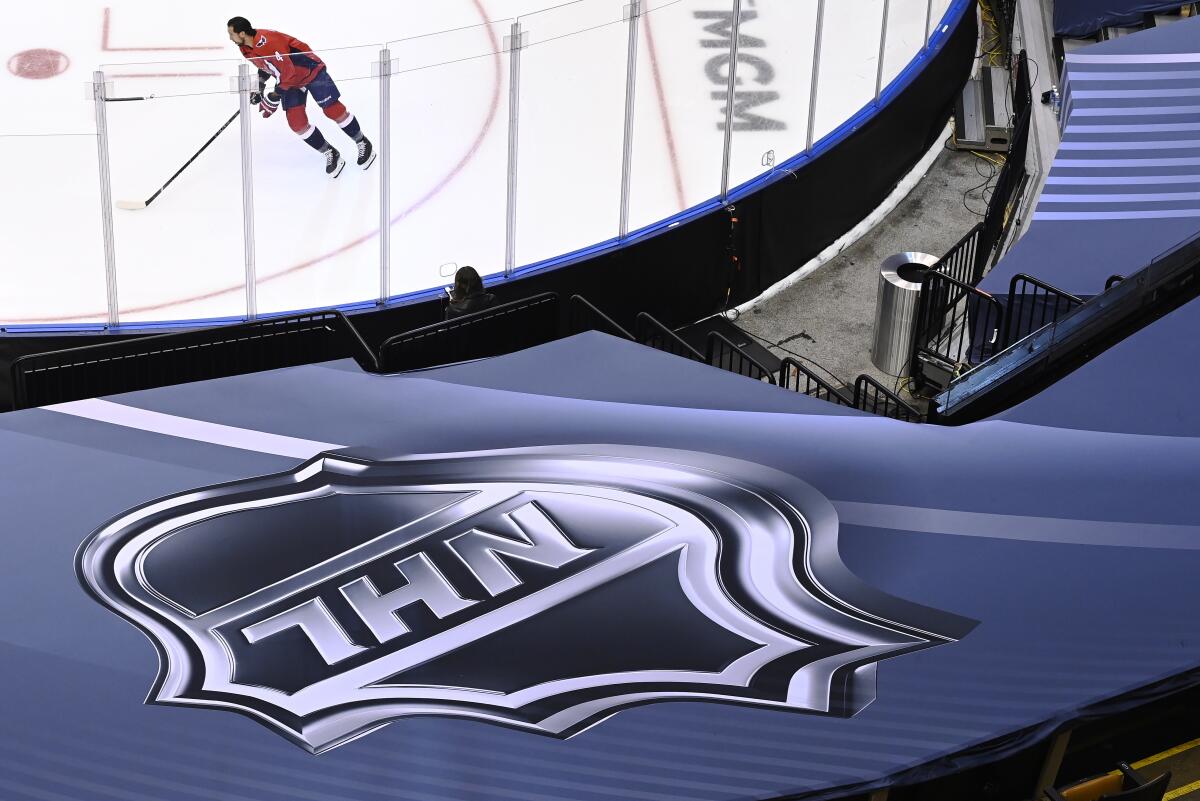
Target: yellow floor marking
1178,791
1170,752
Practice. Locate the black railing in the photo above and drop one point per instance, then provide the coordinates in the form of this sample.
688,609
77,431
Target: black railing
490,332
720,352
158,361
957,326
583,316
649,331
970,259
795,376
1033,304
1112,281
871,396
1022,85
1029,366
1006,196
1005,200
965,261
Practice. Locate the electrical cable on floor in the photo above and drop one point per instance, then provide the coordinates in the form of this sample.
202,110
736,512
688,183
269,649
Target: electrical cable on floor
983,188
788,351
994,162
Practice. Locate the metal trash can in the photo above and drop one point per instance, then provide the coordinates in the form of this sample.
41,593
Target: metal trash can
896,309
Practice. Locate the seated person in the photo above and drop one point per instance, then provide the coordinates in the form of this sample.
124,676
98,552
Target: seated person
467,295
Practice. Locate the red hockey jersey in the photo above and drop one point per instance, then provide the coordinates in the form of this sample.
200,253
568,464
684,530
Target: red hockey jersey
290,60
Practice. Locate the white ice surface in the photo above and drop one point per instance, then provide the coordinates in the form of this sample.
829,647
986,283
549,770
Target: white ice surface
317,241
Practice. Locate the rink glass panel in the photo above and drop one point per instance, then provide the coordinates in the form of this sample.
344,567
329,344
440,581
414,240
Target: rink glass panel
938,10
53,269
181,257
570,141
905,36
449,155
774,73
849,61
679,111
317,239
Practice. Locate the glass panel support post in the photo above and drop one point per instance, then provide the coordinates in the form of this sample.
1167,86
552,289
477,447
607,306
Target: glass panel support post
731,95
385,175
245,87
882,47
513,44
633,18
928,20
816,75
100,96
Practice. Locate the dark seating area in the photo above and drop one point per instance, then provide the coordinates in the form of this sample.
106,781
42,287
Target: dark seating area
156,361
167,359
490,332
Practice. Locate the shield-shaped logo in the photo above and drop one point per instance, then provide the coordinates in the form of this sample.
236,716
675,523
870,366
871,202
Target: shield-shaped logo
539,589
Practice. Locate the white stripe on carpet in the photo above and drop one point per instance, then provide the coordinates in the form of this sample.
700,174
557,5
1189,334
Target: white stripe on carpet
186,428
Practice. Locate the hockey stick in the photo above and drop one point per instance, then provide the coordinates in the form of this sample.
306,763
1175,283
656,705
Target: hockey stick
134,205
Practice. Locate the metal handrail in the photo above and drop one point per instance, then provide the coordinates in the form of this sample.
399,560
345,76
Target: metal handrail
475,347
650,331
1010,184
871,396
173,358
956,324
610,326
1033,363
718,346
1037,283
963,261
814,385
1048,299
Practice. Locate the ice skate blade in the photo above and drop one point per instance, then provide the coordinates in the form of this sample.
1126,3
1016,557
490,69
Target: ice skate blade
341,165
370,161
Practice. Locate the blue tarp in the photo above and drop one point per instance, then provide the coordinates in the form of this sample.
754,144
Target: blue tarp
1085,17
1125,184
1143,385
995,532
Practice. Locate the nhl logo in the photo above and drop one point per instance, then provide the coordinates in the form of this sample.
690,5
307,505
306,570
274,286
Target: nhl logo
538,589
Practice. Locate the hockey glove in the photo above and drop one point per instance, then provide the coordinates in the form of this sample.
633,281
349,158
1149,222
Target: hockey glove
268,104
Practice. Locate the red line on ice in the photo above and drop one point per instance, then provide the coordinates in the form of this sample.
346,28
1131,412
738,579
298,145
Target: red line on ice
165,75
665,113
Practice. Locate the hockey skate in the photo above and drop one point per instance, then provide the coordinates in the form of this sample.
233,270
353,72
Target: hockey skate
366,153
334,163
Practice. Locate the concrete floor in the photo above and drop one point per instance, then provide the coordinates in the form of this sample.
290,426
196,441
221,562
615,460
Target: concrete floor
827,319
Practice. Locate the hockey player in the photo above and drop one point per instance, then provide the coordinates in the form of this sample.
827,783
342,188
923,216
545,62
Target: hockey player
298,72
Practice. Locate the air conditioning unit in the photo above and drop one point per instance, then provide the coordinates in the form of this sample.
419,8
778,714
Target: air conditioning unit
983,113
